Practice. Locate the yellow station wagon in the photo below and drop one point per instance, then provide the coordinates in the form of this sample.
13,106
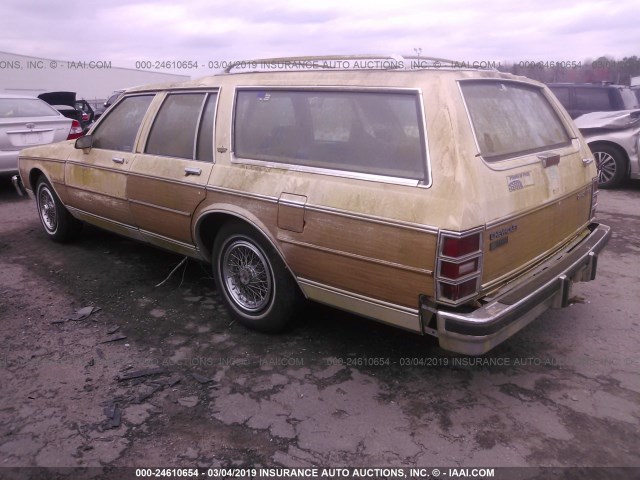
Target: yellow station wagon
452,202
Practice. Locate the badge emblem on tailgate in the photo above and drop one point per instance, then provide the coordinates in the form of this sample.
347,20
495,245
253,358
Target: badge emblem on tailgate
501,237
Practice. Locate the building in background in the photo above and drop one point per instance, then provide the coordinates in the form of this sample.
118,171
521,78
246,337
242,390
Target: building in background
91,80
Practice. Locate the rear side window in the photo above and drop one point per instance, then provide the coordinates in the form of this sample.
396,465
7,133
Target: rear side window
378,133
511,119
119,129
180,118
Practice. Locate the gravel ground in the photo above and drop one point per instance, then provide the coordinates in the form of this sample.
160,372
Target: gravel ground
161,376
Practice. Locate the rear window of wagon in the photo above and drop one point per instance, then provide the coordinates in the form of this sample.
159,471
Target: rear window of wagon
25,107
369,132
511,119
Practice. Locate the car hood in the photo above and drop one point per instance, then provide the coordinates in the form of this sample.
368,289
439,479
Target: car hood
608,120
59,98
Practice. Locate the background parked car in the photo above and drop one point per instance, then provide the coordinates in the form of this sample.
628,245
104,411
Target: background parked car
581,98
28,121
67,104
614,140
112,99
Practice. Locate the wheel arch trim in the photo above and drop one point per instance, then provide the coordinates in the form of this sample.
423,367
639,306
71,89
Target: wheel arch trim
234,212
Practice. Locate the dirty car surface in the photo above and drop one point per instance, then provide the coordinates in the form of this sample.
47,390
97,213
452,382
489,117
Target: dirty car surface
357,189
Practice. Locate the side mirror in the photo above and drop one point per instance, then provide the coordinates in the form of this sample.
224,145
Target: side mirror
84,142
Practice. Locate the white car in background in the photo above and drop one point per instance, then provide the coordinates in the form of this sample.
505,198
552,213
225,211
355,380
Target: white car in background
28,121
614,140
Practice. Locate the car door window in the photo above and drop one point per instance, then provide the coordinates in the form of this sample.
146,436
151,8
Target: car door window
173,133
119,129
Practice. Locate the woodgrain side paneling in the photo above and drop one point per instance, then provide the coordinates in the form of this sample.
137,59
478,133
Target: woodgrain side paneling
388,262
535,233
164,207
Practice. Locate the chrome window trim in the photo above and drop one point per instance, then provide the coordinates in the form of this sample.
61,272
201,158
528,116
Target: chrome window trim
196,133
422,124
324,171
501,164
215,121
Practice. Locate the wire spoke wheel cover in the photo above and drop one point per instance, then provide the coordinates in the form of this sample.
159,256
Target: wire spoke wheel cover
56,220
47,208
247,275
253,281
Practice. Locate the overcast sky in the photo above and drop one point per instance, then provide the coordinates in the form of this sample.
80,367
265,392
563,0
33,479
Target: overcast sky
124,32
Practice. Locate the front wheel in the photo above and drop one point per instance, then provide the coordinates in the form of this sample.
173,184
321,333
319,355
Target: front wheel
252,279
611,163
56,220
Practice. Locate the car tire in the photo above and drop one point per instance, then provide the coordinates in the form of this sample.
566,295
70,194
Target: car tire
252,279
58,223
611,164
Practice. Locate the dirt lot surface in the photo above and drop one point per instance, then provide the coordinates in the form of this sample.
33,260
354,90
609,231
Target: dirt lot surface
161,376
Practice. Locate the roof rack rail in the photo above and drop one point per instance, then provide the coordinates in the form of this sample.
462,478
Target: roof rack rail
342,62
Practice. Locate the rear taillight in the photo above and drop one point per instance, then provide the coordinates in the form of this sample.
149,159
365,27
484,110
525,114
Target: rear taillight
459,266
594,197
75,131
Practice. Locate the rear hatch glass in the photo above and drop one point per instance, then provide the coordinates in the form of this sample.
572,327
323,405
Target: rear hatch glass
512,119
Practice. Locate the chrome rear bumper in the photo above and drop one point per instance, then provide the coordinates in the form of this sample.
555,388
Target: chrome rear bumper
548,287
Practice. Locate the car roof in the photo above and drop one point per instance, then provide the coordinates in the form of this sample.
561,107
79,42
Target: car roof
306,69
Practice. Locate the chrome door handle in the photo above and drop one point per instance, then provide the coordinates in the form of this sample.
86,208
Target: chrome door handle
587,161
192,171
117,160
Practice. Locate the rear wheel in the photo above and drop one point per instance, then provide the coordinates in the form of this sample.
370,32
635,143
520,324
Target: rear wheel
254,282
611,163
56,220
